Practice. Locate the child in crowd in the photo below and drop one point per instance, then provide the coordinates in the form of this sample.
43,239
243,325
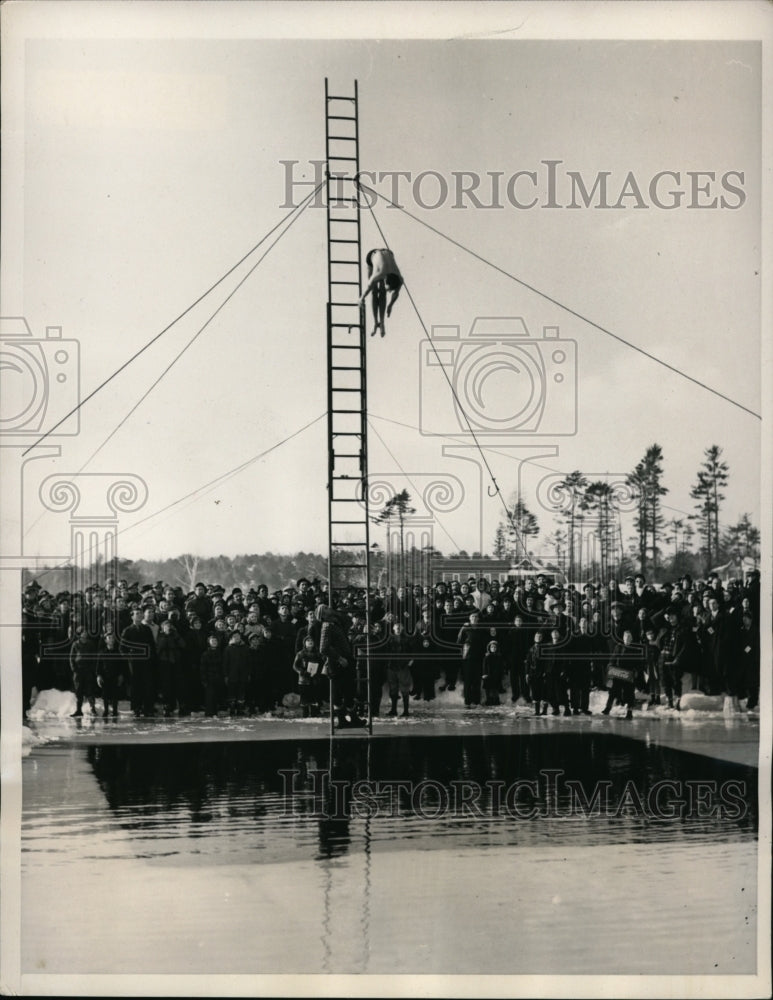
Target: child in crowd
493,668
307,665
535,672
83,662
212,675
236,667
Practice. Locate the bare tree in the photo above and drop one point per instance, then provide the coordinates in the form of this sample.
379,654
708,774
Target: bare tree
189,571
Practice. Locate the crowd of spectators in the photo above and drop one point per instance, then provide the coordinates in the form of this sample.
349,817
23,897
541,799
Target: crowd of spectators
531,640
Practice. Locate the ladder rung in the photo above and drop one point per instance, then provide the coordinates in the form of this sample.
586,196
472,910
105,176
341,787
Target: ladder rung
342,197
335,389
333,97
347,219
349,522
346,347
334,240
342,118
352,159
347,434
355,262
342,454
346,411
341,138
345,368
346,500
334,282
337,565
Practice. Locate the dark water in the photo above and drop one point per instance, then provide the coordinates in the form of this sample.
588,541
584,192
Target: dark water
281,801
442,855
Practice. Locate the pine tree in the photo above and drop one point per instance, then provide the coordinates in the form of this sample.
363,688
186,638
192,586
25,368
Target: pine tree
397,506
742,540
712,477
500,543
646,480
573,487
598,497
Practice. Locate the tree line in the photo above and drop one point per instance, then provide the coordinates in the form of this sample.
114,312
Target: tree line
589,540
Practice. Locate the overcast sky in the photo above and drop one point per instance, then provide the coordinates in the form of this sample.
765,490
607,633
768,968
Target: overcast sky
151,166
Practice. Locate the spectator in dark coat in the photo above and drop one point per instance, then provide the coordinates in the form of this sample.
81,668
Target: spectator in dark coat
582,647
212,675
674,654
517,649
399,650
139,648
338,659
472,638
749,660
621,673
236,668
425,658
718,641
557,664
83,663
110,670
493,668
170,654
536,672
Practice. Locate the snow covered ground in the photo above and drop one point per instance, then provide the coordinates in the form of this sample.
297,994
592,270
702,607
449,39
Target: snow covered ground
705,724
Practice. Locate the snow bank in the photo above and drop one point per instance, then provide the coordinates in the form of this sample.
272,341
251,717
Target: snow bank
53,704
30,740
700,702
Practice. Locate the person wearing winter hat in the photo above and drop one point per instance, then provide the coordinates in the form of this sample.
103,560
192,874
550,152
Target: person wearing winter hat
399,649
493,669
307,665
83,663
212,675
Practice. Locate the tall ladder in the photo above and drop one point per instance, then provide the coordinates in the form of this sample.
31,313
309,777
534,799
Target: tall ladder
348,534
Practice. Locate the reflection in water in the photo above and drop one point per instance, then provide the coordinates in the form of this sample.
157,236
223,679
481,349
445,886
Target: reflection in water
326,858
279,798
